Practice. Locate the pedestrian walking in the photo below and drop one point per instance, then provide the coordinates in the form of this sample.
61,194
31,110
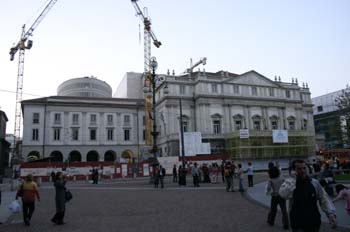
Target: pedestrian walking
240,177
222,168
228,173
215,173
28,191
272,188
195,175
60,198
156,176
174,174
303,193
250,174
162,173
343,193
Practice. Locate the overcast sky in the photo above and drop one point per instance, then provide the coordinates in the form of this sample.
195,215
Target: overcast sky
308,40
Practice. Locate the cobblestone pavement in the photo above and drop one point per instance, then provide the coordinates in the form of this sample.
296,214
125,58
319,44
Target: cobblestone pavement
135,206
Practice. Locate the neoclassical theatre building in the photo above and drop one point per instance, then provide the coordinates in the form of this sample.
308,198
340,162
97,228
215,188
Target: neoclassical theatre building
85,123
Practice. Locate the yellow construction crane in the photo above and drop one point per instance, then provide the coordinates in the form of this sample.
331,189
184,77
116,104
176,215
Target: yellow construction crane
148,36
23,44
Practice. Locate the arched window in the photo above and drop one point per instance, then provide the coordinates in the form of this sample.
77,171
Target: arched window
92,156
56,156
33,155
256,122
74,156
110,156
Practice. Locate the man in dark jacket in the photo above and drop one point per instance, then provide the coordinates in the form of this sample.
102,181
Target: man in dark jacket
303,194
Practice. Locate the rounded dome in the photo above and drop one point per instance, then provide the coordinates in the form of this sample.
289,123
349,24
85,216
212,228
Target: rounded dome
84,87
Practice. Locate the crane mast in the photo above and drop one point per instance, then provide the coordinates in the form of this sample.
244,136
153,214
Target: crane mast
148,36
23,44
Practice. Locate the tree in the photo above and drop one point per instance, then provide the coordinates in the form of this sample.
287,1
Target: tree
343,103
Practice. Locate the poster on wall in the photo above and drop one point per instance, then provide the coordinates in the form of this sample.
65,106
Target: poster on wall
280,136
124,170
145,169
108,170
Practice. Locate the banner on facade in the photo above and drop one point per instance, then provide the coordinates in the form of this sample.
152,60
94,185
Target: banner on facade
244,133
193,144
279,136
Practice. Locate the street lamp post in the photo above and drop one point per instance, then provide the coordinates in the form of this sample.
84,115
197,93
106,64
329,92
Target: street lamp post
182,144
152,92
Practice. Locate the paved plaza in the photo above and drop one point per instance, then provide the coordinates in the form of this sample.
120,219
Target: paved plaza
133,205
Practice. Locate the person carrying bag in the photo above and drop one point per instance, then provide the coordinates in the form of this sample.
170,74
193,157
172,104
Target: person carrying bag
28,191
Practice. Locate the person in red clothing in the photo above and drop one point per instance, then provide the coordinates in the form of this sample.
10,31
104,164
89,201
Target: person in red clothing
28,191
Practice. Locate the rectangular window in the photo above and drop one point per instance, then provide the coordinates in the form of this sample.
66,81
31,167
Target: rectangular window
217,127
287,93
56,134
75,134
254,91
182,89
185,126
126,134
214,88
144,135
271,92
93,119
143,120
238,124
35,118
304,124
291,125
274,125
35,134
126,119
75,119
110,119
92,134
319,108
257,125
236,89
57,118
110,134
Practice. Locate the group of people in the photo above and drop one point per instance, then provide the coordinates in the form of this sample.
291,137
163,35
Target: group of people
210,174
28,192
304,194
158,175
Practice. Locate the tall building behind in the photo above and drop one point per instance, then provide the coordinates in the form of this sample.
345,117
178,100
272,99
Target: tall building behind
330,123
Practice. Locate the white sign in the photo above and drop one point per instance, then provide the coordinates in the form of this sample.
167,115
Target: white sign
124,170
279,136
193,144
108,170
146,169
244,133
